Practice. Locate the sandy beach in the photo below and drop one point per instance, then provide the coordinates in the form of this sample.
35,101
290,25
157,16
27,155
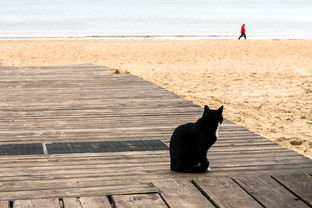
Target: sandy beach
264,85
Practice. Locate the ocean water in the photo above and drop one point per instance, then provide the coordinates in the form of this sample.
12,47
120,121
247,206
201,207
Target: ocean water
164,19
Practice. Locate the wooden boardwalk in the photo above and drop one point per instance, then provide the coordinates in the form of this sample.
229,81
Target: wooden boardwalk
88,103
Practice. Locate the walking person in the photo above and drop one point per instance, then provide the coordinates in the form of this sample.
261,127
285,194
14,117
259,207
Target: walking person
243,33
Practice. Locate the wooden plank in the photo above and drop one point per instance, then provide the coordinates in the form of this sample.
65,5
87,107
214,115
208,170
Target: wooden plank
37,203
147,172
139,154
142,168
139,200
65,183
128,188
162,160
299,184
48,160
95,202
54,182
96,135
158,172
181,193
141,162
112,162
224,192
87,202
268,192
71,203
4,204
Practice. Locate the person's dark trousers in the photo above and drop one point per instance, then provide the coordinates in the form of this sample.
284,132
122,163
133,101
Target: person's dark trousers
242,35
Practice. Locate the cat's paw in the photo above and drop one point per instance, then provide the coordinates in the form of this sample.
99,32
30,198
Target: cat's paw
208,169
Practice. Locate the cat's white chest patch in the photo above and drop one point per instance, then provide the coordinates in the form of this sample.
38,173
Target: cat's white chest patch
217,131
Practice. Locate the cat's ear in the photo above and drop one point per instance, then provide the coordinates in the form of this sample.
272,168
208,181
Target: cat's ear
206,111
220,110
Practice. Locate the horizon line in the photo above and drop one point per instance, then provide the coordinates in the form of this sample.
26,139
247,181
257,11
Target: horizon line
151,36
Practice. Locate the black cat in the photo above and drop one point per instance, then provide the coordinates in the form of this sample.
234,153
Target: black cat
190,142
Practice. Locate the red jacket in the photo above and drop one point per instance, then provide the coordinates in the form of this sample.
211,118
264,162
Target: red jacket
243,29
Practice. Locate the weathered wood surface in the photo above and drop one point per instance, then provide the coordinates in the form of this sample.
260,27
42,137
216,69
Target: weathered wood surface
224,192
181,193
89,103
95,202
220,192
87,202
4,204
139,200
268,192
87,189
37,203
300,185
